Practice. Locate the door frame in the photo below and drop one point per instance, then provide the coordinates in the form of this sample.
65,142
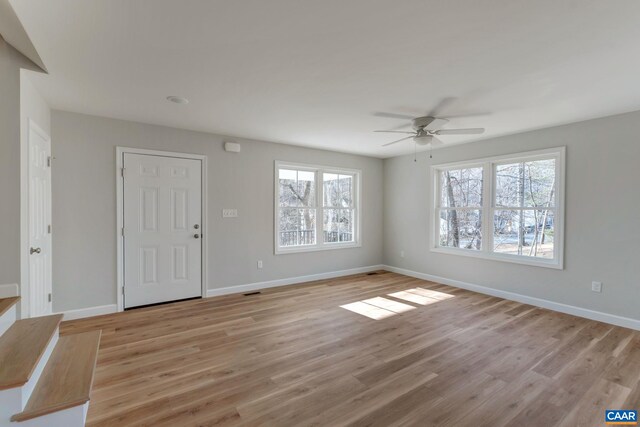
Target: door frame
25,283
120,152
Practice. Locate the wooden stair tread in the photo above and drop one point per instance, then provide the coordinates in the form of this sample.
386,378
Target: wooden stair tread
22,346
7,303
67,378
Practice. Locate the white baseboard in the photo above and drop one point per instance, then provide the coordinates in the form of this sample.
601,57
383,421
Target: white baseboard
81,313
289,281
10,290
612,319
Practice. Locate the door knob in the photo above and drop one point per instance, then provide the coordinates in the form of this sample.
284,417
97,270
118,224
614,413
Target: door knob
34,251
197,236
196,226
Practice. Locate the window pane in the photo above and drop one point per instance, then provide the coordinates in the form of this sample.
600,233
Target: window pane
331,189
526,184
539,183
297,227
338,190
338,225
508,188
296,188
527,232
461,228
346,225
461,187
346,195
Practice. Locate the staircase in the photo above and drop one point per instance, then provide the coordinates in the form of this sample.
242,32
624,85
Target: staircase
45,380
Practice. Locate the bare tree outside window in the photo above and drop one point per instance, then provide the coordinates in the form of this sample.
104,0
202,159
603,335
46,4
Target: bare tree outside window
316,207
338,208
524,208
461,208
297,207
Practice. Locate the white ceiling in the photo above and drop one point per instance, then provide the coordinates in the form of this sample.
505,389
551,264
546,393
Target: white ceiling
314,72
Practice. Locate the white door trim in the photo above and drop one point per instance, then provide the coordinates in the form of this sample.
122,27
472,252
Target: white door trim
120,151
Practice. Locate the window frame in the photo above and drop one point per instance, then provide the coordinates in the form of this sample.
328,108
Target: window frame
488,207
318,171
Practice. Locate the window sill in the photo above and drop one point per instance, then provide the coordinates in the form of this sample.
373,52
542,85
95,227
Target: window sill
316,248
514,259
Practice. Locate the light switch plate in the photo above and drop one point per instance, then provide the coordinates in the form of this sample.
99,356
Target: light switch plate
229,213
596,286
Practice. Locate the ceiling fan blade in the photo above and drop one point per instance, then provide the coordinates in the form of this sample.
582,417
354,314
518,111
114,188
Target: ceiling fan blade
470,131
395,131
399,140
443,105
393,115
436,124
435,142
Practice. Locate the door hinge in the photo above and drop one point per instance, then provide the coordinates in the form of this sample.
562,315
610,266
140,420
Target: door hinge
49,297
49,229
122,172
123,290
49,161
122,231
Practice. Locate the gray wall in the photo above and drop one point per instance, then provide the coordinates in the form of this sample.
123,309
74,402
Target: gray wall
10,63
84,207
602,232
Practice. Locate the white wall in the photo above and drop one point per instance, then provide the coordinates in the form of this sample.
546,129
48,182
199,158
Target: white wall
84,207
602,233
32,107
10,63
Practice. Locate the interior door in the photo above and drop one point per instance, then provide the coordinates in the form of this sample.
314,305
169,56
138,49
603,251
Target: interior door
39,214
162,229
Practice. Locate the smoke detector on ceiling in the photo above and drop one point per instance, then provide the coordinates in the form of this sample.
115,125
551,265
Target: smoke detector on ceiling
178,99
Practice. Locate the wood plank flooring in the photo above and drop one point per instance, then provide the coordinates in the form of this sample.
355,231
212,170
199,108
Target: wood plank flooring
364,350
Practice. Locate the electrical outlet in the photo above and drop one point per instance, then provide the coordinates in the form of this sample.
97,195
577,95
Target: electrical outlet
596,287
260,264
401,254
229,213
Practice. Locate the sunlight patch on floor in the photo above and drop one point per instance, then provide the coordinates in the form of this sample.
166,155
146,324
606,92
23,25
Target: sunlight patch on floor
380,308
368,310
387,304
421,296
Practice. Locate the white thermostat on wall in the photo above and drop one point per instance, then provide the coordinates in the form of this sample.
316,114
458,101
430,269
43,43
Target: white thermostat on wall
229,213
232,147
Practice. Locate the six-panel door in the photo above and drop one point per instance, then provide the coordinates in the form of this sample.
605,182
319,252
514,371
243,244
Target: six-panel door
162,229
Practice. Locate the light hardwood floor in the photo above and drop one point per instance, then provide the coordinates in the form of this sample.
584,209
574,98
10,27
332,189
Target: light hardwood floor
428,355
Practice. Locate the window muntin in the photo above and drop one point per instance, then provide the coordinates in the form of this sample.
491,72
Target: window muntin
507,208
316,207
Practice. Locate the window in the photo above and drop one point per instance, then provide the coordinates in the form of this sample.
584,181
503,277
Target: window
507,208
316,208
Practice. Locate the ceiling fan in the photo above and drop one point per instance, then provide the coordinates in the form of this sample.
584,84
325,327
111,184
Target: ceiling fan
427,128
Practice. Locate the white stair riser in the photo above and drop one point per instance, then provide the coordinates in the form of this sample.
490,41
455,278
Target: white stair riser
7,319
72,417
10,403
13,400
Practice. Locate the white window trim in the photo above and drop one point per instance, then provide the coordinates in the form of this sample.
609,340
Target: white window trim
488,164
320,244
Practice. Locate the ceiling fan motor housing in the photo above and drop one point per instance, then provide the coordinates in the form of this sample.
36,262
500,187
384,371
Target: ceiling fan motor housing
422,122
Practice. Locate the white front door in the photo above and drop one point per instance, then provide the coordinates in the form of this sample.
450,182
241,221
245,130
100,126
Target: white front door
39,214
162,229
